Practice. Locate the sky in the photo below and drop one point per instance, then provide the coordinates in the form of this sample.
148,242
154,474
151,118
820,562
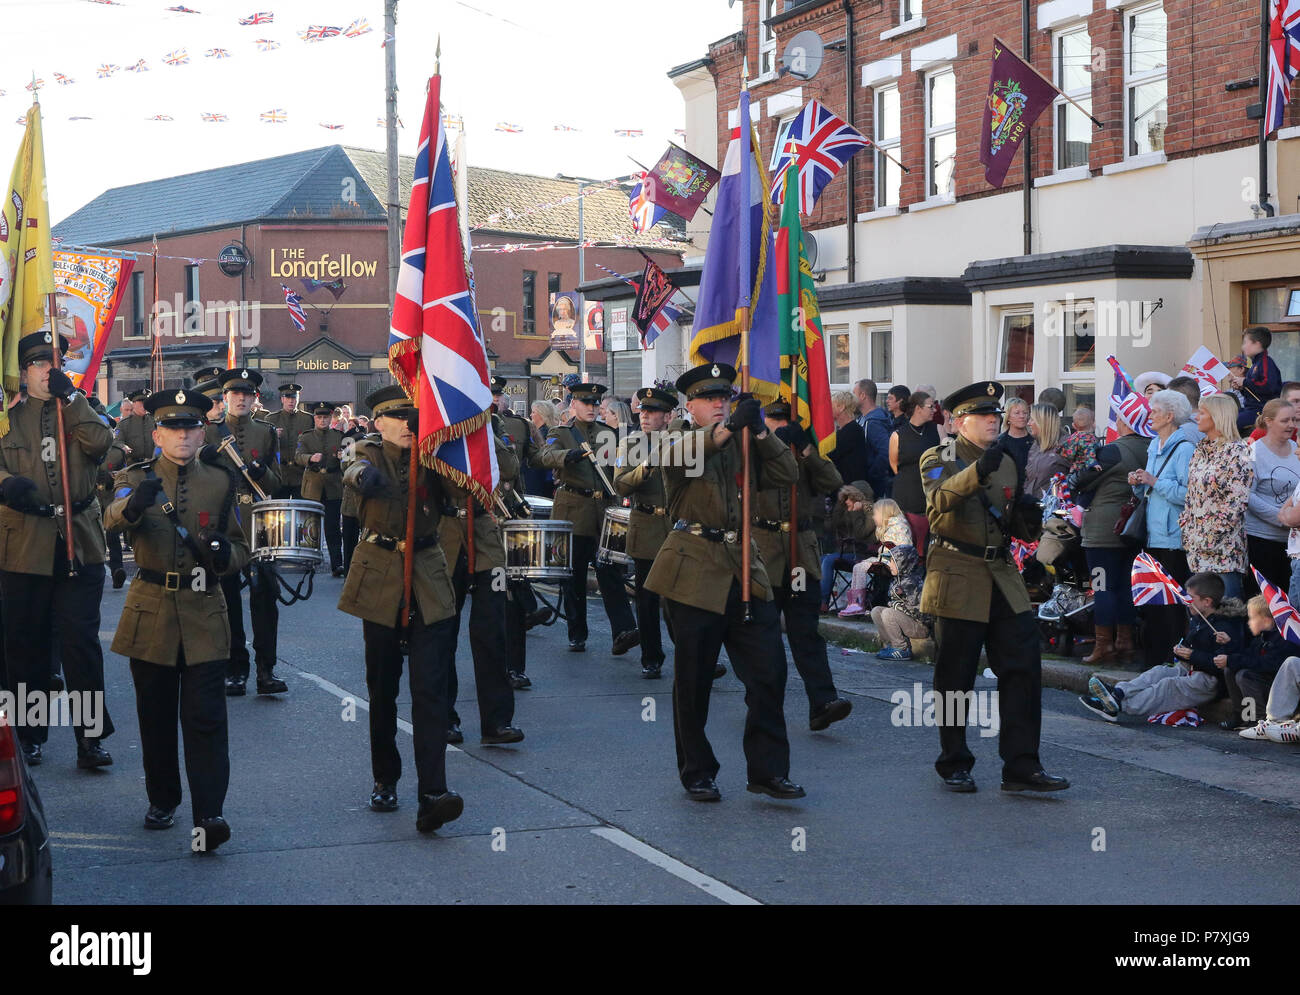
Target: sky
592,65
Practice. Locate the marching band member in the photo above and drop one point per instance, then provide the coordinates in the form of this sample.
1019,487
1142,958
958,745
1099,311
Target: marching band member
318,459
289,423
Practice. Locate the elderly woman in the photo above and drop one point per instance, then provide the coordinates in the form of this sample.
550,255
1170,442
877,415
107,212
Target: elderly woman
1110,557
1219,478
1016,439
1045,459
1164,483
850,455
1277,471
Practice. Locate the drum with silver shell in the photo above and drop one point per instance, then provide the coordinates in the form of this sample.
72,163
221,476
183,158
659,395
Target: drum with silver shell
613,536
538,549
287,535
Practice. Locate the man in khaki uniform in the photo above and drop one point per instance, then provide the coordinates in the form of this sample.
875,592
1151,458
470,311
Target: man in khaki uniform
488,636
975,505
208,382
798,599
698,573
258,446
289,423
318,460
582,499
180,515
647,525
114,460
135,428
380,473
41,595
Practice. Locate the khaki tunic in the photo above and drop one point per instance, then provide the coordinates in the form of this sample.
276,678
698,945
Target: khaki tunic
586,513
27,541
817,476
373,588
453,530
351,497
254,440
692,569
519,436
959,585
288,426
157,623
321,481
644,485
136,432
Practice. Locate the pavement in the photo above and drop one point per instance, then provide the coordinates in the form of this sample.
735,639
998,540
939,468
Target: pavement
589,810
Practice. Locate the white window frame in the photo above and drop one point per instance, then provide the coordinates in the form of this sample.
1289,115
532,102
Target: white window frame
893,145
128,330
1015,379
1073,306
935,132
1132,81
910,10
831,332
871,330
766,38
1083,96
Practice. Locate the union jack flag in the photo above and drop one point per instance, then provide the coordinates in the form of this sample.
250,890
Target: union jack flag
35,85
628,132
294,303
139,67
217,53
213,117
644,212
1021,551
1128,404
819,143
358,28
177,58
1152,586
1283,59
182,10
161,117
262,17
332,127
106,70
277,116
564,127
679,132
267,44
435,346
319,32
1288,621
506,126
63,80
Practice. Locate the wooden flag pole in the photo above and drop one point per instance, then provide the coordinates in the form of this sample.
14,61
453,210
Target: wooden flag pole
745,462
63,445
1081,108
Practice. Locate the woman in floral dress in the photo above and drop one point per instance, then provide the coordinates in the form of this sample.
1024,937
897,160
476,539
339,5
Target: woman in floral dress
1219,478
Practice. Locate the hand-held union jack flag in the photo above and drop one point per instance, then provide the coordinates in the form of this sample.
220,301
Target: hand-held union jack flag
1128,404
1283,59
294,303
1284,614
1152,586
435,347
819,143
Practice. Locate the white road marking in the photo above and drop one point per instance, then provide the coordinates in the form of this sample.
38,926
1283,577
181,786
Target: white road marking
698,879
720,891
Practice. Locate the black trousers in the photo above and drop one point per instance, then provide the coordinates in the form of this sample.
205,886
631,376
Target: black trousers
520,600
612,592
288,492
1164,625
432,653
265,613
1011,642
1268,556
647,618
198,693
801,610
115,550
759,661
487,646
1252,684
35,608
351,536
333,535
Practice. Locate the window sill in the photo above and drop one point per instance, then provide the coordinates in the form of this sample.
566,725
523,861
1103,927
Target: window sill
931,203
1285,133
906,28
1071,175
880,212
1135,162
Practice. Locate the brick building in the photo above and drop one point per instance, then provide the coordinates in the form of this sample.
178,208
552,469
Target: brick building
1146,239
319,214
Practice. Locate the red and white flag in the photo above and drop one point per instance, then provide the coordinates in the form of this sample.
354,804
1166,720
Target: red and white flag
1207,369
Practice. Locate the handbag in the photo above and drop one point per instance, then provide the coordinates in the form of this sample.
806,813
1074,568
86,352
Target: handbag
1131,526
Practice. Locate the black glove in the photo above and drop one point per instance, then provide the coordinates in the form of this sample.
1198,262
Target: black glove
256,469
990,460
1028,504
218,547
371,481
210,454
573,456
794,435
748,412
16,491
61,385
142,498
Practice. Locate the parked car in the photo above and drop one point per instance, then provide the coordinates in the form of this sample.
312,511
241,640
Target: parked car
26,873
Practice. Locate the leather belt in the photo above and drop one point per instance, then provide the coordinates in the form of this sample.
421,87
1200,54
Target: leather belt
801,525
711,534
391,543
56,510
986,553
171,580
650,509
583,491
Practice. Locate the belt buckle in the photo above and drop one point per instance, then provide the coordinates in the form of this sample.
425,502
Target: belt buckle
785,526
991,553
245,499
172,581
729,536
168,508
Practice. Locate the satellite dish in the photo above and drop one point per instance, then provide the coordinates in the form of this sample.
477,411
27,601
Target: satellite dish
810,249
803,56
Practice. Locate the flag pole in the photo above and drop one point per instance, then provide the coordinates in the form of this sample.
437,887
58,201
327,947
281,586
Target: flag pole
797,317
1082,109
743,312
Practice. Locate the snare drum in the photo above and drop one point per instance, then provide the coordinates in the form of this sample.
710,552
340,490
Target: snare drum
287,535
541,505
538,549
613,537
